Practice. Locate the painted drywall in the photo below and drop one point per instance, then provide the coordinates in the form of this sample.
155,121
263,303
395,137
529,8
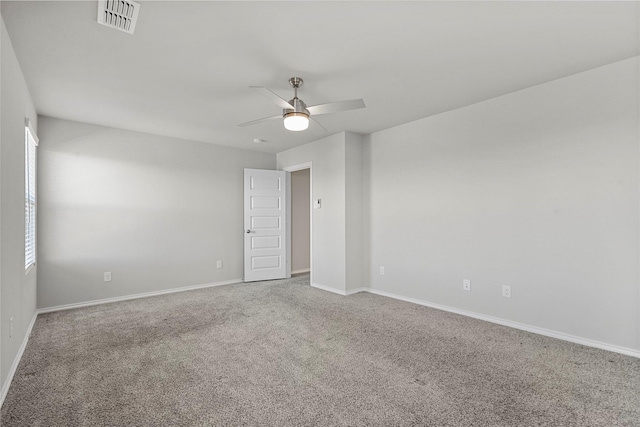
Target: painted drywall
537,190
17,290
300,220
337,226
354,211
156,212
328,176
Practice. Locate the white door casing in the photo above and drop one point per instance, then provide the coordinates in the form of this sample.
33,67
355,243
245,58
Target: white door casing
267,248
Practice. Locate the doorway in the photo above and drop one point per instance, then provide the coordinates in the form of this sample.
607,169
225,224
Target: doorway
301,218
300,221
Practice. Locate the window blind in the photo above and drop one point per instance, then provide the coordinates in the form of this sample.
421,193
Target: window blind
30,143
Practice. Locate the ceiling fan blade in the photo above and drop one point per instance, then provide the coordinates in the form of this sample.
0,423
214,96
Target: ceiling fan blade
334,107
255,122
318,123
274,97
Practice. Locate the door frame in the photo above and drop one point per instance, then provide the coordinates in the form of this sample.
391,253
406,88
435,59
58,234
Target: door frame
298,167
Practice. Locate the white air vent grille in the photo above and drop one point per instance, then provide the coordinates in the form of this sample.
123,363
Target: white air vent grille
119,14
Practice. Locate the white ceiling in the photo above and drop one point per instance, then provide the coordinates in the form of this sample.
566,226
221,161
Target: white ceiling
185,72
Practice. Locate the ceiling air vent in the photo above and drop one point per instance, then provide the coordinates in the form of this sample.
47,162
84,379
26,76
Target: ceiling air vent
119,14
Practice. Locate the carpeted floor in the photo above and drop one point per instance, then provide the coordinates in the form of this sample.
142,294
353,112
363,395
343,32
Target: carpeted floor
282,353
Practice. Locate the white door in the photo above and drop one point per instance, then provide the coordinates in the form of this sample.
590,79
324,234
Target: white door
267,250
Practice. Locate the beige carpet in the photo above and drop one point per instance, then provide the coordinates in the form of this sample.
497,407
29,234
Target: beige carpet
282,353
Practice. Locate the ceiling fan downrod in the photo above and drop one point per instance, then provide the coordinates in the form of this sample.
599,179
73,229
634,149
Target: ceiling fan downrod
298,104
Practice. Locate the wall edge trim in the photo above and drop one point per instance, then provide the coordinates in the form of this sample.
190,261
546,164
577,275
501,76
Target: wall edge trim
135,296
516,325
329,289
16,361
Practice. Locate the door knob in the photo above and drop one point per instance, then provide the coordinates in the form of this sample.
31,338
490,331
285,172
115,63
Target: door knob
248,231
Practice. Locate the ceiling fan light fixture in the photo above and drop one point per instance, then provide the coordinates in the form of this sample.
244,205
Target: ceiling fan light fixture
296,121
295,112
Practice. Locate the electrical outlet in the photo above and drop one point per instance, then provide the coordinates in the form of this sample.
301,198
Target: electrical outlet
466,285
506,291
382,271
219,263
107,276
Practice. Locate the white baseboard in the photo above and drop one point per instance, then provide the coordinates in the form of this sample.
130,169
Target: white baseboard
329,289
338,291
306,270
534,329
135,296
16,360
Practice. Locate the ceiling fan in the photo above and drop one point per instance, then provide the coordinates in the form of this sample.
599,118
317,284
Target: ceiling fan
295,112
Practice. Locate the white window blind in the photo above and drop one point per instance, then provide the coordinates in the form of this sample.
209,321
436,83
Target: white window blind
30,143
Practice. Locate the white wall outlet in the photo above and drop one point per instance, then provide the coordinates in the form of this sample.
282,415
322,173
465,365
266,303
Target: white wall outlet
107,276
219,263
466,285
506,291
317,203
382,271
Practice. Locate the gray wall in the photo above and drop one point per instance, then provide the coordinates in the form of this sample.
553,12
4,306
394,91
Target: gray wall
157,212
538,189
328,229
354,212
17,291
336,174
300,220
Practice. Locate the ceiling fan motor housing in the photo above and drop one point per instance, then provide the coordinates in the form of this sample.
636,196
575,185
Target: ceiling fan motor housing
296,119
299,107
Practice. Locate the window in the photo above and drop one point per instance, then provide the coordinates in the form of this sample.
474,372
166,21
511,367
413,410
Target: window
30,143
